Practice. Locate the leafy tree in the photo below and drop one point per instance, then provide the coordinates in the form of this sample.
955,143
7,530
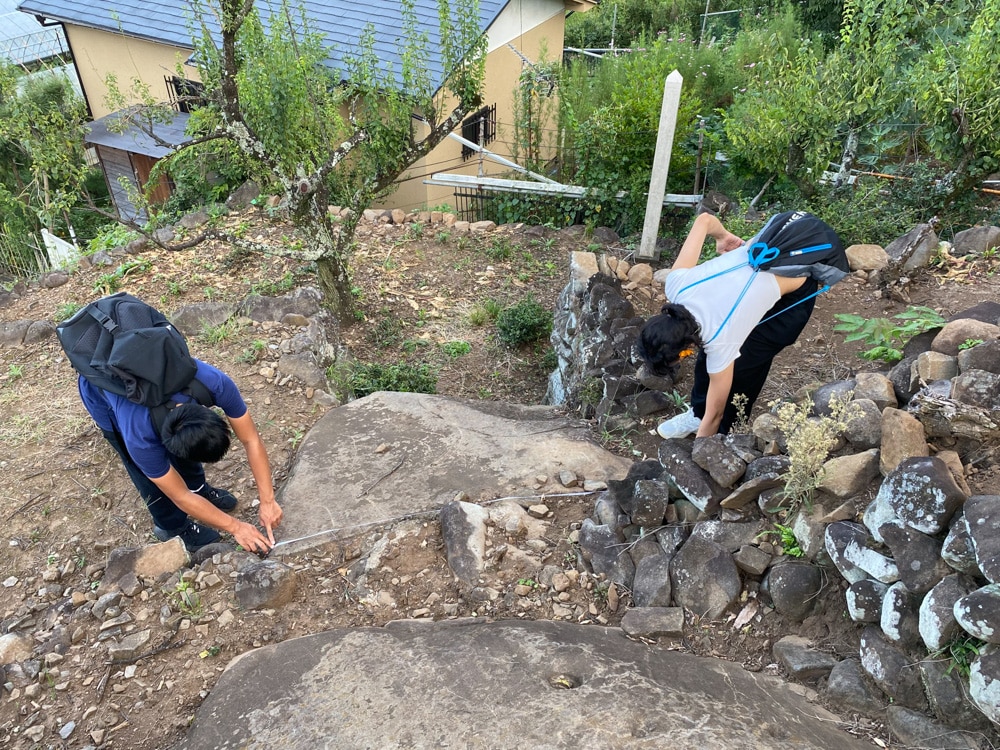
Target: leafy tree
41,156
315,137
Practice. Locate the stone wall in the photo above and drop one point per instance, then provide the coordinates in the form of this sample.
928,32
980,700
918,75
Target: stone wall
695,528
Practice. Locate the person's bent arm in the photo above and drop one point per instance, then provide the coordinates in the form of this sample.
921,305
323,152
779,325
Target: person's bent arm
200,509
260,466
705,226
719,386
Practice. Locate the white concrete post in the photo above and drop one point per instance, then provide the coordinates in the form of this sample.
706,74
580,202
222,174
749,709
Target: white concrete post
661,165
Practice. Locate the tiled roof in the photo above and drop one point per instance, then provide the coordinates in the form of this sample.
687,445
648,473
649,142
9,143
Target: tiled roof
170,22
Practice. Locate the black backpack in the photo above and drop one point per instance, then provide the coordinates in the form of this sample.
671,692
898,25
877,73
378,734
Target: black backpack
122,345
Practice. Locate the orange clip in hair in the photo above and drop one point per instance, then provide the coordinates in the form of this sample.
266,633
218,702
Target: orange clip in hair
685,353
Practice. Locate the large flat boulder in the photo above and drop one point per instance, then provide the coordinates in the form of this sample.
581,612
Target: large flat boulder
500,685
390,455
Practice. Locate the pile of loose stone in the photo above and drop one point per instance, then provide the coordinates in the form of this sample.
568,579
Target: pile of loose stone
694,530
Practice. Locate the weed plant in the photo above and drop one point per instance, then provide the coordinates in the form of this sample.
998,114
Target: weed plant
523,323
808,441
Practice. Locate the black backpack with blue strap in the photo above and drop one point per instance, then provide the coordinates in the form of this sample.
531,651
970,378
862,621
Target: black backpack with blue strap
122,345
794,244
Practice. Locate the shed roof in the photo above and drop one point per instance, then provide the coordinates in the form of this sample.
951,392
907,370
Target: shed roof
171,22
136,141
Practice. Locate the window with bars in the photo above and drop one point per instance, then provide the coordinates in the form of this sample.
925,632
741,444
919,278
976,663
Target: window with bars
186,95
479,127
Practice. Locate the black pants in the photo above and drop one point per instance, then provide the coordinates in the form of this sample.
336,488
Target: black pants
165,514
756,355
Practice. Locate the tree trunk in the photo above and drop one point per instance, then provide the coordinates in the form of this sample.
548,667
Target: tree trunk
336,287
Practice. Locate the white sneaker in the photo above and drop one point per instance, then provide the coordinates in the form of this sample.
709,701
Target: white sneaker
680,426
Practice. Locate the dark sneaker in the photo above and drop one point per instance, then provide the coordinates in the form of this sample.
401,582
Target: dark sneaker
192,534
221,499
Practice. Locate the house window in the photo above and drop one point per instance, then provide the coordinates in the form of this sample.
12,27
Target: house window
479,127
186,95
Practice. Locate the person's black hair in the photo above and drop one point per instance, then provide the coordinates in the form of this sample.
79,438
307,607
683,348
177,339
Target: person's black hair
196,433
665,336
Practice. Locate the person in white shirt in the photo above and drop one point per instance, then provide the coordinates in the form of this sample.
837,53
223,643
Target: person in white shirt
716,308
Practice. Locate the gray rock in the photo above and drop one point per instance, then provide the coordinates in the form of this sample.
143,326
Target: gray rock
985,356
267,584
875,387
938,625
948,695
809,527
794,588
193,319
14,647
902,437
880,567
864,600
654,622
651,587
463,530
645,546
693,482
978,613
643,404
767,466
982,518
850,475
12,332
894,671
750,491
728,534
647,506
975,241
931,366
976,387
958,549
752,560
53,279
622,489
704,578
144,562
826,394
164,235
800,660
721,462
917,556
243,196
864,424
105,601
837,538
984,682
848,688
304,367
914,729
672,536
900,621
603,548
130,647
914,249
923,494
303,301
902,382
348,688
864,257
957,332
194,219
607,512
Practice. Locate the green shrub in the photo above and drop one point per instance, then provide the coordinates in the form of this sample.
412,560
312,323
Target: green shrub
370,377
523,323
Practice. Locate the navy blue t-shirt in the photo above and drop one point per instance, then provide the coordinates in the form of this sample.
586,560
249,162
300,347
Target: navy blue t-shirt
111,411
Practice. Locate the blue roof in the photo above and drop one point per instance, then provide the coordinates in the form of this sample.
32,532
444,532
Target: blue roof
170,22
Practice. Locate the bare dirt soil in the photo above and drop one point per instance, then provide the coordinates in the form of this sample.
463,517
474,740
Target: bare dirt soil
65,502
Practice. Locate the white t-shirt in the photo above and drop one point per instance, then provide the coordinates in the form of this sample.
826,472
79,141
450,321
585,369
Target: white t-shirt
712,301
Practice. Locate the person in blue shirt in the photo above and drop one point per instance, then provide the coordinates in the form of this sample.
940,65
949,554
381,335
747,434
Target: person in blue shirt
166,466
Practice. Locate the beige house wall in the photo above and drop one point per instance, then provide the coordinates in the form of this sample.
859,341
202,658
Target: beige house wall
98,53
503,69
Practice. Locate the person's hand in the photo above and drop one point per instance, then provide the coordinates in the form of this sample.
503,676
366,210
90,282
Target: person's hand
270,517
727,242
249,538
